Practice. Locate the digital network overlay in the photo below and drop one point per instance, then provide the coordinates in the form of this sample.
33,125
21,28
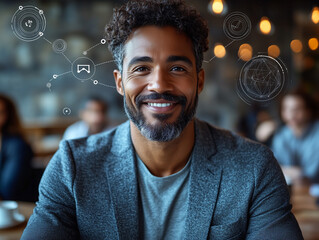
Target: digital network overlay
28,24
261,79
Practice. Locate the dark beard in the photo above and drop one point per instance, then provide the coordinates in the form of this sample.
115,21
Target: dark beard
163,132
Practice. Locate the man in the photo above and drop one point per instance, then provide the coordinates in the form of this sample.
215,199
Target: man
162,174
93,119
296,144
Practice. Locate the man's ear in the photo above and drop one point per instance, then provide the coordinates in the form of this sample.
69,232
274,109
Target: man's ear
118,81
201,80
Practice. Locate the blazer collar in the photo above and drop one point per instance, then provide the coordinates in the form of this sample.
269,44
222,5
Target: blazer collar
205,177
122,179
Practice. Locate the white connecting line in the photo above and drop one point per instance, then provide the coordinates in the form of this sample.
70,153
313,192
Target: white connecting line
205,61
91,48
105,62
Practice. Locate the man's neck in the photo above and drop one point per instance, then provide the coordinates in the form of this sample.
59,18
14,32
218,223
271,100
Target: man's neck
96,129
164,158
300,130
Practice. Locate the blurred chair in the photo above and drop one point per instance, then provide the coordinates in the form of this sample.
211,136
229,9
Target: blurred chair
93,117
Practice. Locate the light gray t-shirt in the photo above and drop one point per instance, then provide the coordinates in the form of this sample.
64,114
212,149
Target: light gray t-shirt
165,201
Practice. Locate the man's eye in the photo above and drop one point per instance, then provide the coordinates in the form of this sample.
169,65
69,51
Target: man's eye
140,69
178,69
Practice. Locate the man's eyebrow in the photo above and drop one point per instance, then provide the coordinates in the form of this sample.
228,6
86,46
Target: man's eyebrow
179,58
139,59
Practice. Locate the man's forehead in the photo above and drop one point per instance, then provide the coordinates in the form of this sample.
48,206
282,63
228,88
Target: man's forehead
158,40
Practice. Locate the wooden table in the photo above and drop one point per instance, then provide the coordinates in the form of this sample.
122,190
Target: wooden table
305,210
15,233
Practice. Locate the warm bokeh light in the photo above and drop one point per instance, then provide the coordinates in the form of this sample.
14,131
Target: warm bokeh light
296,46
315,15
313,43
273,51
217,6
246,46
265,25
219,51
245,52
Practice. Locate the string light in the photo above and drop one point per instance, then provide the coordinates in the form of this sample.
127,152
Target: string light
273,51
245,52
313,43
219,50
296,46
218,7
265,26
315,15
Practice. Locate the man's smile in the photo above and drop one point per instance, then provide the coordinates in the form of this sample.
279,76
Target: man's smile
160,106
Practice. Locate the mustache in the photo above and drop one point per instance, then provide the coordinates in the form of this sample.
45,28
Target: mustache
155,96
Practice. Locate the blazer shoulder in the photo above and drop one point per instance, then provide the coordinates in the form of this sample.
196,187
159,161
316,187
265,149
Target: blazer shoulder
240,148
95,147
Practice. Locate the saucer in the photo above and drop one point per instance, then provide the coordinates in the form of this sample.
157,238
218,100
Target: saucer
9,214
18,219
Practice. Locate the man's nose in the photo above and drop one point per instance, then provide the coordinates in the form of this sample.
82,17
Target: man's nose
159,81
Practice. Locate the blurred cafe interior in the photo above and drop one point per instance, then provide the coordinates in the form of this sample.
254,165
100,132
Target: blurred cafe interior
47,102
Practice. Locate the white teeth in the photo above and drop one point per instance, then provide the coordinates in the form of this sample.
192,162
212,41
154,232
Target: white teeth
159,104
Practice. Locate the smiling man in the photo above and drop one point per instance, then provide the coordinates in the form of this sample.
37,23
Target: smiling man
163,174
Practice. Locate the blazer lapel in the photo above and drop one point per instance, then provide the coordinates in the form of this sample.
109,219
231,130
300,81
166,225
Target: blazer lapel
122,179
205,177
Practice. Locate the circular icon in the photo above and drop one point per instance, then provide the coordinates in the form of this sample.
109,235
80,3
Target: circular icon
28,23
237,26
261,79
66,111
48,85
83,68
55,76
59,46
85,52
95,82
103,41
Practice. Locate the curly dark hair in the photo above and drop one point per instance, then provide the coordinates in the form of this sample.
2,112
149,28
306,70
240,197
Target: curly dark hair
138,13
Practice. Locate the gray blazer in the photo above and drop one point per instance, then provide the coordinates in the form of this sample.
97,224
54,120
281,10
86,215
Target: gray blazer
90,190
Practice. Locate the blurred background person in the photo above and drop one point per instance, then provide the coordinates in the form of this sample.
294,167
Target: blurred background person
296,144
93,117
257,124
15,153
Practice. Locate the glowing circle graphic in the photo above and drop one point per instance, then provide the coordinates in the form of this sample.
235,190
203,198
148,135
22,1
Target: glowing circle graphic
28,23
261,79
83,68
66,111
59,46
237,26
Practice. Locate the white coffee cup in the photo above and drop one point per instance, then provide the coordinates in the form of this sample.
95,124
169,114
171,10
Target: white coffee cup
9,214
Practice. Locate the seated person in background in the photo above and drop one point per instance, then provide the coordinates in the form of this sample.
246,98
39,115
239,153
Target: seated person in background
296,144
93,119
15,153
257,124
163,174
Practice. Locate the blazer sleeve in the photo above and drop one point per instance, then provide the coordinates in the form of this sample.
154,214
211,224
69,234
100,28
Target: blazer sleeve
54,217
270,210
